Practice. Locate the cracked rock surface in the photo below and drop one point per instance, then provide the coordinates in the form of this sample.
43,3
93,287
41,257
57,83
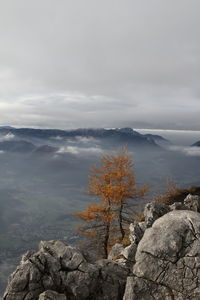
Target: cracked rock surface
60,268
168,259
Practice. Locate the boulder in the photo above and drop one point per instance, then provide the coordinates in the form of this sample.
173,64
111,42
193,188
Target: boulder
192,202
153,211
57,267
51,295
168,259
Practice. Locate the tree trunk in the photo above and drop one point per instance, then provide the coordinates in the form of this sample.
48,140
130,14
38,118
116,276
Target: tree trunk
106,239
120,222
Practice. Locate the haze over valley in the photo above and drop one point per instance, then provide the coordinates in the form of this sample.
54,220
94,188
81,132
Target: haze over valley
44,176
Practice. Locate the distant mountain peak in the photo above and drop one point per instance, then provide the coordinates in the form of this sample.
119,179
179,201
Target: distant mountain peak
197,144
128,130
7,127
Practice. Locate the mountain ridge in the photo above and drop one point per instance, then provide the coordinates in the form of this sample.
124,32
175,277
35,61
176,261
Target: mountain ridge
196,144
125,135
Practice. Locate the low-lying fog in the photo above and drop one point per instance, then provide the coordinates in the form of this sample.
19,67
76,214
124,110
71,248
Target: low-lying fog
40,190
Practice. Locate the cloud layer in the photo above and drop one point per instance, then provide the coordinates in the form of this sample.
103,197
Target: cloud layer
188,151
7,137
106,63
81,150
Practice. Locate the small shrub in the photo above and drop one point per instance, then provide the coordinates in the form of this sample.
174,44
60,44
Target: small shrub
176,194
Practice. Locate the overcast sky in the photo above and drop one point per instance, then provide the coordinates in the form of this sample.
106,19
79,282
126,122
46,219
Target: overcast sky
100,63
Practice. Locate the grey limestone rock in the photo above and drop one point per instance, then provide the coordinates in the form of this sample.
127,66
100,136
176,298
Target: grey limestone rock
136,232
56,266
192,202
168,259
112,280
60,268
177,206
126,256
51,295
115,251
129,252
141,289
153,211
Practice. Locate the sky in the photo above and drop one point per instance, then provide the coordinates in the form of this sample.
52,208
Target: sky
109,63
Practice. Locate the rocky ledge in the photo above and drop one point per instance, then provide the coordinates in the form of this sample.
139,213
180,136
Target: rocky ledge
161,262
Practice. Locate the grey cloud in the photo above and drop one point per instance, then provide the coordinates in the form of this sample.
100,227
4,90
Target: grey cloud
7,137
85,140
100,63
193,151
189,151
80,151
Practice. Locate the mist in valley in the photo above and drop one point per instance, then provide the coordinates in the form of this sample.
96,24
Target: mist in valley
42,188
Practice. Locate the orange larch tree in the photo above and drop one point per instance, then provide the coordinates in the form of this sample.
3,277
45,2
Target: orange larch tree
115,185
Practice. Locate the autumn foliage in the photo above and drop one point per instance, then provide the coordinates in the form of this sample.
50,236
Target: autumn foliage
114,185
173,193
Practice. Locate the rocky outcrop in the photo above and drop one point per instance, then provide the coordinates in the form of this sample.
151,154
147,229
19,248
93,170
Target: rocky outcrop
161,262
192,202
168,259
153,211
63,269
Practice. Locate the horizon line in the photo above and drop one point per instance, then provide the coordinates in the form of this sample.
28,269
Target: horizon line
134,128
